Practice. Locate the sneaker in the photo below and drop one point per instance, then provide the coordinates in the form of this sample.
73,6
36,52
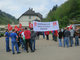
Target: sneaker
18,52
13,53
27,51
9,50
32,51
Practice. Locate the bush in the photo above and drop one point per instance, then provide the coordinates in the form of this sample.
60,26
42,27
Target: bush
2,34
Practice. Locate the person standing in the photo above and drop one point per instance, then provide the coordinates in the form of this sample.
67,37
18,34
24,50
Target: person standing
55,35
20,37
47,35
27,34
7,40
76,38
23,38
43,35
14,40
33,36
66,39
38,34
64,36
60,38
71,36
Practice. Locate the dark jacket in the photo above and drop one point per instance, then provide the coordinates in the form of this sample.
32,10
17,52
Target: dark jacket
63,33
76,33
67,33
33,35
60,35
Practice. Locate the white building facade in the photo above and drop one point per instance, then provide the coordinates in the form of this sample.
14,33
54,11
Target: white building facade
29,16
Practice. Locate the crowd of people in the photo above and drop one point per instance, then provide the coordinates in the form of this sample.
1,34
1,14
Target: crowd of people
67,35
26,38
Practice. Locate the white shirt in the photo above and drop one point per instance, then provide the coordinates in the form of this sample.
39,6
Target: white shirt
72,33
23,34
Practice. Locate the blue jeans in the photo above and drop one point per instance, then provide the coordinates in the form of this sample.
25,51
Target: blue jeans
43,36
66,41
60,42
24,43
14,43
76,40
33,45
7,45
21,42
71,41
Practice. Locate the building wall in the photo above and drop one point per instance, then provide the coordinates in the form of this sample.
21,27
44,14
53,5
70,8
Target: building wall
24,20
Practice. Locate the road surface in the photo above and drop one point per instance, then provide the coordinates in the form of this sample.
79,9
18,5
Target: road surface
45,50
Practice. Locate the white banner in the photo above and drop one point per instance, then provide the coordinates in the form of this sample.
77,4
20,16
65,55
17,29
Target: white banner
45,26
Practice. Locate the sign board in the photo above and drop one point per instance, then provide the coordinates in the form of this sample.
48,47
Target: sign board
45,26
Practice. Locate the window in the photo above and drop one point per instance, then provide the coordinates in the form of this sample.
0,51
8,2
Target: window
29,17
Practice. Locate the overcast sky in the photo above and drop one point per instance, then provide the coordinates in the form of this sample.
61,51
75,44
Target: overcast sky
18,7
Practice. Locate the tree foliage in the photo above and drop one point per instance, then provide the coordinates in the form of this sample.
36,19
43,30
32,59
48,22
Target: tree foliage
66,13
7,18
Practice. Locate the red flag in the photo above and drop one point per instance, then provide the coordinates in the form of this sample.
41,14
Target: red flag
22,29
9,27
70,27
16,28
20,25
56,33
30,25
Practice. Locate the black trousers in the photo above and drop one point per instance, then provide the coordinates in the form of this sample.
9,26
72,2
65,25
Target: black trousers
55,38
28,44
47,37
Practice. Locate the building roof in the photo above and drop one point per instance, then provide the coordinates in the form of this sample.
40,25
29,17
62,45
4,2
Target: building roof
35,20
30,12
